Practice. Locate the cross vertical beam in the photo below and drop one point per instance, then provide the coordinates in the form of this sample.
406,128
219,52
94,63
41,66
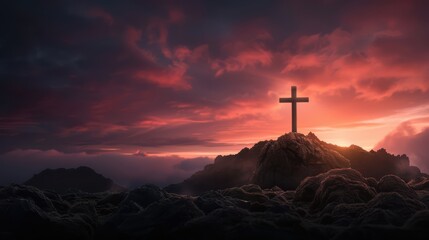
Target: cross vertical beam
293,100
294,118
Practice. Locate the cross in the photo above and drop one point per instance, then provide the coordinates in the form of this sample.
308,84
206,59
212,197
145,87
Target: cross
293,100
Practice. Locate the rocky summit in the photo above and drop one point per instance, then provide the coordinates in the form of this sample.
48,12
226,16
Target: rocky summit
285,162
294,156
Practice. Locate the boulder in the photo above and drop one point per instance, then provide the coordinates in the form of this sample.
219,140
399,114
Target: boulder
392,183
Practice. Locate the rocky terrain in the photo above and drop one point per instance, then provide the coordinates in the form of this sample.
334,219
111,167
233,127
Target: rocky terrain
62,180
288,160
296,187
338,204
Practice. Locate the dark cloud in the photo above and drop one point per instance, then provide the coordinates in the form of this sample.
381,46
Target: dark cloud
77,76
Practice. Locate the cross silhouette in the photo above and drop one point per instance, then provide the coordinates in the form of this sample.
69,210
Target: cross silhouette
294,100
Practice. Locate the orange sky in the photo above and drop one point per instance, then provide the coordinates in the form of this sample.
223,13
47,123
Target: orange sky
200,79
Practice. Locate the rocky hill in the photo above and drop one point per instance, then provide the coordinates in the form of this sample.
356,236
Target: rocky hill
82,179
288,160
293,157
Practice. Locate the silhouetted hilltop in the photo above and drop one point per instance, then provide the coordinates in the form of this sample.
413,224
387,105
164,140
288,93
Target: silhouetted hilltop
293,157
288,160
82,178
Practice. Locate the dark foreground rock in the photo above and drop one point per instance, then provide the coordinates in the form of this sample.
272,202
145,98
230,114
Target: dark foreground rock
338,204
62,180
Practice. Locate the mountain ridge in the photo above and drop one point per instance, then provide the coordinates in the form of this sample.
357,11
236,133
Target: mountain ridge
239,169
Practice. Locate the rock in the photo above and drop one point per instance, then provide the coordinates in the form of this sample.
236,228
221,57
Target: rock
337,204
213,200
424,197
294,156
161,219
307,190
419,221
29,193
110,203
22,219
22,216
113,199
85,208
145,195
419,183
236,223
392,183
395,207
241,193
343,214
372,182
341,186
133,203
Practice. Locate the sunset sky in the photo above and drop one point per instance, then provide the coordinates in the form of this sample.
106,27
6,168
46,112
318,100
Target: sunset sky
158,88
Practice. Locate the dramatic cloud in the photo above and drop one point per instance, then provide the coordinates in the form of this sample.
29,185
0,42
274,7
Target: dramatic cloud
203,78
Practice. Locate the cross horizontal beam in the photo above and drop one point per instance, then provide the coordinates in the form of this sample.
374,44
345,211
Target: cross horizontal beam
298,99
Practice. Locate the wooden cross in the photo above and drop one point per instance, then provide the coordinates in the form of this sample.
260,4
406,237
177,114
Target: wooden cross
293,100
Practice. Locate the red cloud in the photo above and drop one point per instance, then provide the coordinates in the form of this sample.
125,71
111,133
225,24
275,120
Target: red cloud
173,76
247,58
343,60
174,71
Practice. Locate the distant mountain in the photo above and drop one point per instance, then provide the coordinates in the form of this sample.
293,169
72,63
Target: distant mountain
288,160
82,179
